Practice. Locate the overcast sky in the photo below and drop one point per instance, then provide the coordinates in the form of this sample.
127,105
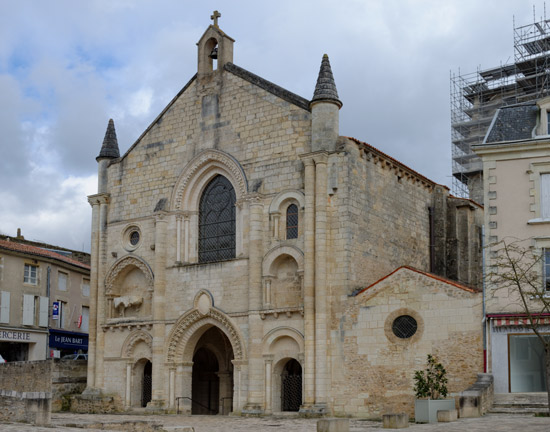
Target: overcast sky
66,67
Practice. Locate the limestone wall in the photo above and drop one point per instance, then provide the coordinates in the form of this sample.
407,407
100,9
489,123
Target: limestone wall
264,133
68,378
377,376
25,391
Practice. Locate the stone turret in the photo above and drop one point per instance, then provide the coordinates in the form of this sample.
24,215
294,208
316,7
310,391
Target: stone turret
109,151
325,110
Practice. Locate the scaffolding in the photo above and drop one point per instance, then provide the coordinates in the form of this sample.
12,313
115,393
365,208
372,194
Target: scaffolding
475,98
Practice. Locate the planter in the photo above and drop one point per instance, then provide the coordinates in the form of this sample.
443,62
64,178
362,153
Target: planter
425,410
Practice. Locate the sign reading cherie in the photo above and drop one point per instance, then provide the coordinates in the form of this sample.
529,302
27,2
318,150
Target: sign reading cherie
15,335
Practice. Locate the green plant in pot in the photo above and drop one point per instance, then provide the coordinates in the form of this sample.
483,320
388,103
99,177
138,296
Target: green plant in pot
430,386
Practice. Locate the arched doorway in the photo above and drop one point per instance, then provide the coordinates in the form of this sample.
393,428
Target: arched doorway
291,386
212,376
147,383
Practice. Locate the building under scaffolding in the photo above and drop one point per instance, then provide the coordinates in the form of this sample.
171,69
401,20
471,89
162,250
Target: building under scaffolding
475,97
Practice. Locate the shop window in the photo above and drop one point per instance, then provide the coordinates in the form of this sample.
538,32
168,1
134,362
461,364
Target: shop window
527,365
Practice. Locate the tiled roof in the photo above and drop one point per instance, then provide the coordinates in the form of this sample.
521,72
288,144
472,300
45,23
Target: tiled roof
430,275
513,123
325,89
109,149
36,251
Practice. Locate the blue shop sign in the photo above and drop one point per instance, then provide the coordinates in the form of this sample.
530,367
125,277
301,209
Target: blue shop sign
68,340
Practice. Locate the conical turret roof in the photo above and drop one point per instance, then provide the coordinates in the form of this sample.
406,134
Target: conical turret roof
325,89
109,149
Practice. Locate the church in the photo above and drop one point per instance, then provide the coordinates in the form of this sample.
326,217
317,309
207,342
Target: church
248,259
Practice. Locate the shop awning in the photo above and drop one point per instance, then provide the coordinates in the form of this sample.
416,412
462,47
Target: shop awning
502,320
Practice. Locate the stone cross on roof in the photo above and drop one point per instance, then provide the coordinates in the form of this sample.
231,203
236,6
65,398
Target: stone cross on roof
215,17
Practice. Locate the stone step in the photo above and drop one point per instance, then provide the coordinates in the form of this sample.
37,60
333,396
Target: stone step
516,410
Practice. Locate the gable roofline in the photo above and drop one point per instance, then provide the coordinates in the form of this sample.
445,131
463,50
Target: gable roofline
395,162
26,249
157,118
268,86
217,30
430,275
241,73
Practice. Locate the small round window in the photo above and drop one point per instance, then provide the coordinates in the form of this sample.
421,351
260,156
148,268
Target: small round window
131,238
404,326
134,238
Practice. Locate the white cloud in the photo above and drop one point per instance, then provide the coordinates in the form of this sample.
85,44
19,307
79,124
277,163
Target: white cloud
67,67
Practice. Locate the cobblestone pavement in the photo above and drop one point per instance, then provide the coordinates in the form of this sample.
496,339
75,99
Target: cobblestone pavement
154,423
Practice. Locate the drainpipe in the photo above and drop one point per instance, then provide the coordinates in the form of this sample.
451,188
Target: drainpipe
484,320
432,239
48,278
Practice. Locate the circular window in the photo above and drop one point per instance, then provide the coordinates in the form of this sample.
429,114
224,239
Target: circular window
134,238
404,326
131,238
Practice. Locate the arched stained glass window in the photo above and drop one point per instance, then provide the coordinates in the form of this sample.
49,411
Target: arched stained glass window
292,221
217,221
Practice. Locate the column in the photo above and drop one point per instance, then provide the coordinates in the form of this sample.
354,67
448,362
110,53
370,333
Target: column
255,327
178,238
92,327
186,239
185,375
226,395
172,387
276,223
309,283
158,396
101,273
321,316
128,398
268,360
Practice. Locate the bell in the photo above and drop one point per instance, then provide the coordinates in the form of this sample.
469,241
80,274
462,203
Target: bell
214,54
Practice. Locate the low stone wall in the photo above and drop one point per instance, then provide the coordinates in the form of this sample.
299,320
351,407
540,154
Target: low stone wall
477,400
25,407
25,392
94,401
68,379
28,376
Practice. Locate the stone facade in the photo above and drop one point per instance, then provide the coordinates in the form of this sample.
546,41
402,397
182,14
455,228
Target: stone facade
255,325
516,167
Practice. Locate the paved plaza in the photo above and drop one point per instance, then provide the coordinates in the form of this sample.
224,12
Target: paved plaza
175,423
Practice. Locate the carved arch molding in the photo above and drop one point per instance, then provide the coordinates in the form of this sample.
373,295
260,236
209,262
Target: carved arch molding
133,339
209,160
189,324
123,264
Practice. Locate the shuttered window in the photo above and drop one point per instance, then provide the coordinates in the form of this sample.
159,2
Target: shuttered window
545,196
28,309
5,307
43,316
85,319
62,281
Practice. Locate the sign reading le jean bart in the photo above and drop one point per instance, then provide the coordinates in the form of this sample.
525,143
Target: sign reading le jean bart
68,340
